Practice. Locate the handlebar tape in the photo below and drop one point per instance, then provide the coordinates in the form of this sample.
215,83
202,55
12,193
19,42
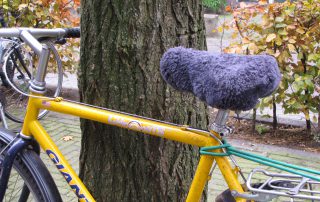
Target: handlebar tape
72,32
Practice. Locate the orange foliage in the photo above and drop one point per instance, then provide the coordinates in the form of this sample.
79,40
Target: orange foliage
64,10
228,8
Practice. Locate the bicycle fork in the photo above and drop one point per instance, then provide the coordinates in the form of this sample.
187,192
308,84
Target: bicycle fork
17,145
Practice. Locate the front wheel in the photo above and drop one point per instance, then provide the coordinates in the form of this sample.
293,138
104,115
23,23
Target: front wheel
29,179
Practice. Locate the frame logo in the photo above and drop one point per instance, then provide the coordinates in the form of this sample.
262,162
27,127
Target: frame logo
136,125
66,175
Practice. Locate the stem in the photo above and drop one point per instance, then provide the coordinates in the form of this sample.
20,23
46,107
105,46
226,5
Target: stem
306,91
222,35
254,119
275,119
318,108
238,26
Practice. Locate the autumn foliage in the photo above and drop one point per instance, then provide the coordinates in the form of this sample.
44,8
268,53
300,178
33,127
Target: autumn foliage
46,14
289,31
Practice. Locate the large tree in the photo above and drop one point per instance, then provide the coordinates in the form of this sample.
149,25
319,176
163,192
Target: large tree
122,42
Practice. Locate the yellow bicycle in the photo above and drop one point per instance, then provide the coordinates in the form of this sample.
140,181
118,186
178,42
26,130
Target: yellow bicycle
19,153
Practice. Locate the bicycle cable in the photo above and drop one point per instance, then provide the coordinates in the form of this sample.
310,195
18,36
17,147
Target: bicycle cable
230,157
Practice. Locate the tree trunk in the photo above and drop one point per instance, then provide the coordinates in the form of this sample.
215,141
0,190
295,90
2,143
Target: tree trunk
121,46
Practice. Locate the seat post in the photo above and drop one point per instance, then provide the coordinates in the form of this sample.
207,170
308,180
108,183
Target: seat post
219,124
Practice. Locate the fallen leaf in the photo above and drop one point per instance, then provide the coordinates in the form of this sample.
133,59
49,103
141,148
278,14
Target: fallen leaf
67,138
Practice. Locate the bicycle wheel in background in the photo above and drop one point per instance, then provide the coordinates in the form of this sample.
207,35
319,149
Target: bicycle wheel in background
28,173
2,115
19,67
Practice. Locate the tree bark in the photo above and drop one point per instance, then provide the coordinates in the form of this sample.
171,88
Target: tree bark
121,46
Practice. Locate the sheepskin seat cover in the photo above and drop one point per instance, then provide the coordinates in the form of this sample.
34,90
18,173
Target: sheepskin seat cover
224,81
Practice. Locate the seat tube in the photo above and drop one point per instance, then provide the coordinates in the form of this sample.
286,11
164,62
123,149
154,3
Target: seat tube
201,178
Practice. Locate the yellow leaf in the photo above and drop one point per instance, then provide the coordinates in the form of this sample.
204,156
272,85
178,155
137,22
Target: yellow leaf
234,35
292,41
291,27
220,29
270,37
291,48
306,114
23,6
300,30
276,54
245,40
278,41
314,118
253,48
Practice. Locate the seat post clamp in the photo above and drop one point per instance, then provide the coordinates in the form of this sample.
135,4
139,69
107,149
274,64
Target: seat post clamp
219,124
222,130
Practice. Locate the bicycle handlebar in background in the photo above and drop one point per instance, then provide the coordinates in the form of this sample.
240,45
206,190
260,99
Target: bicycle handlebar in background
38,32
72,32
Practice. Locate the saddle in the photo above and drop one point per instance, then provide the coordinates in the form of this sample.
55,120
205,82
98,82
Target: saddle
224,81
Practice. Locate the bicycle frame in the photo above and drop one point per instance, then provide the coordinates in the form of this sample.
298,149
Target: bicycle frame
183,134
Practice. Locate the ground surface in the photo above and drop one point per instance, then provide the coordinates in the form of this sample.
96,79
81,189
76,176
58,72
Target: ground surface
285,136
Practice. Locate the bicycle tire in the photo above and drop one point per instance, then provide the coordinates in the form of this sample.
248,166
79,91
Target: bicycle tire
2,116
16,100
2,99
225,196
32,171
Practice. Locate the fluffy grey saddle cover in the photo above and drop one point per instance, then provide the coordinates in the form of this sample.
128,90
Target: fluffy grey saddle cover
224,81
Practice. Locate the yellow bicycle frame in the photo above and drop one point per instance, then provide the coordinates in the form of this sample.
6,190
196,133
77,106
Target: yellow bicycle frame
32,127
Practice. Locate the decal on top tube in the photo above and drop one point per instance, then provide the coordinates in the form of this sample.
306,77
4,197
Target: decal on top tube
136,125
66,175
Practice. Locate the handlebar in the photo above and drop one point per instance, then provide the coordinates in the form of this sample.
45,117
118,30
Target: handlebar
38,33
32,37
72,32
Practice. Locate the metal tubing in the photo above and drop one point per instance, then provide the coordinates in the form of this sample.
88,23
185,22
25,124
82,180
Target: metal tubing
7,163
200,179
59,160
10,32
36,32
53,33
221,117
43,62
172,132
31,41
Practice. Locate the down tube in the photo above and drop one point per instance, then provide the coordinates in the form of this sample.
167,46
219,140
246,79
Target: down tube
61,163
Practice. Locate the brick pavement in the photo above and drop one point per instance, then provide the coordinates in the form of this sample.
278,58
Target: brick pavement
61,126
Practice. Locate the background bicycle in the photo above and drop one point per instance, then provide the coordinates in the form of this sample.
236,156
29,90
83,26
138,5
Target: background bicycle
18,63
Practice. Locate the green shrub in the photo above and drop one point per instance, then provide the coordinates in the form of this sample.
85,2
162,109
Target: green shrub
289,31
215,5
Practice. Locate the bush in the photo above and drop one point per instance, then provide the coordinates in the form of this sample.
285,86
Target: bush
214,5
289,31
